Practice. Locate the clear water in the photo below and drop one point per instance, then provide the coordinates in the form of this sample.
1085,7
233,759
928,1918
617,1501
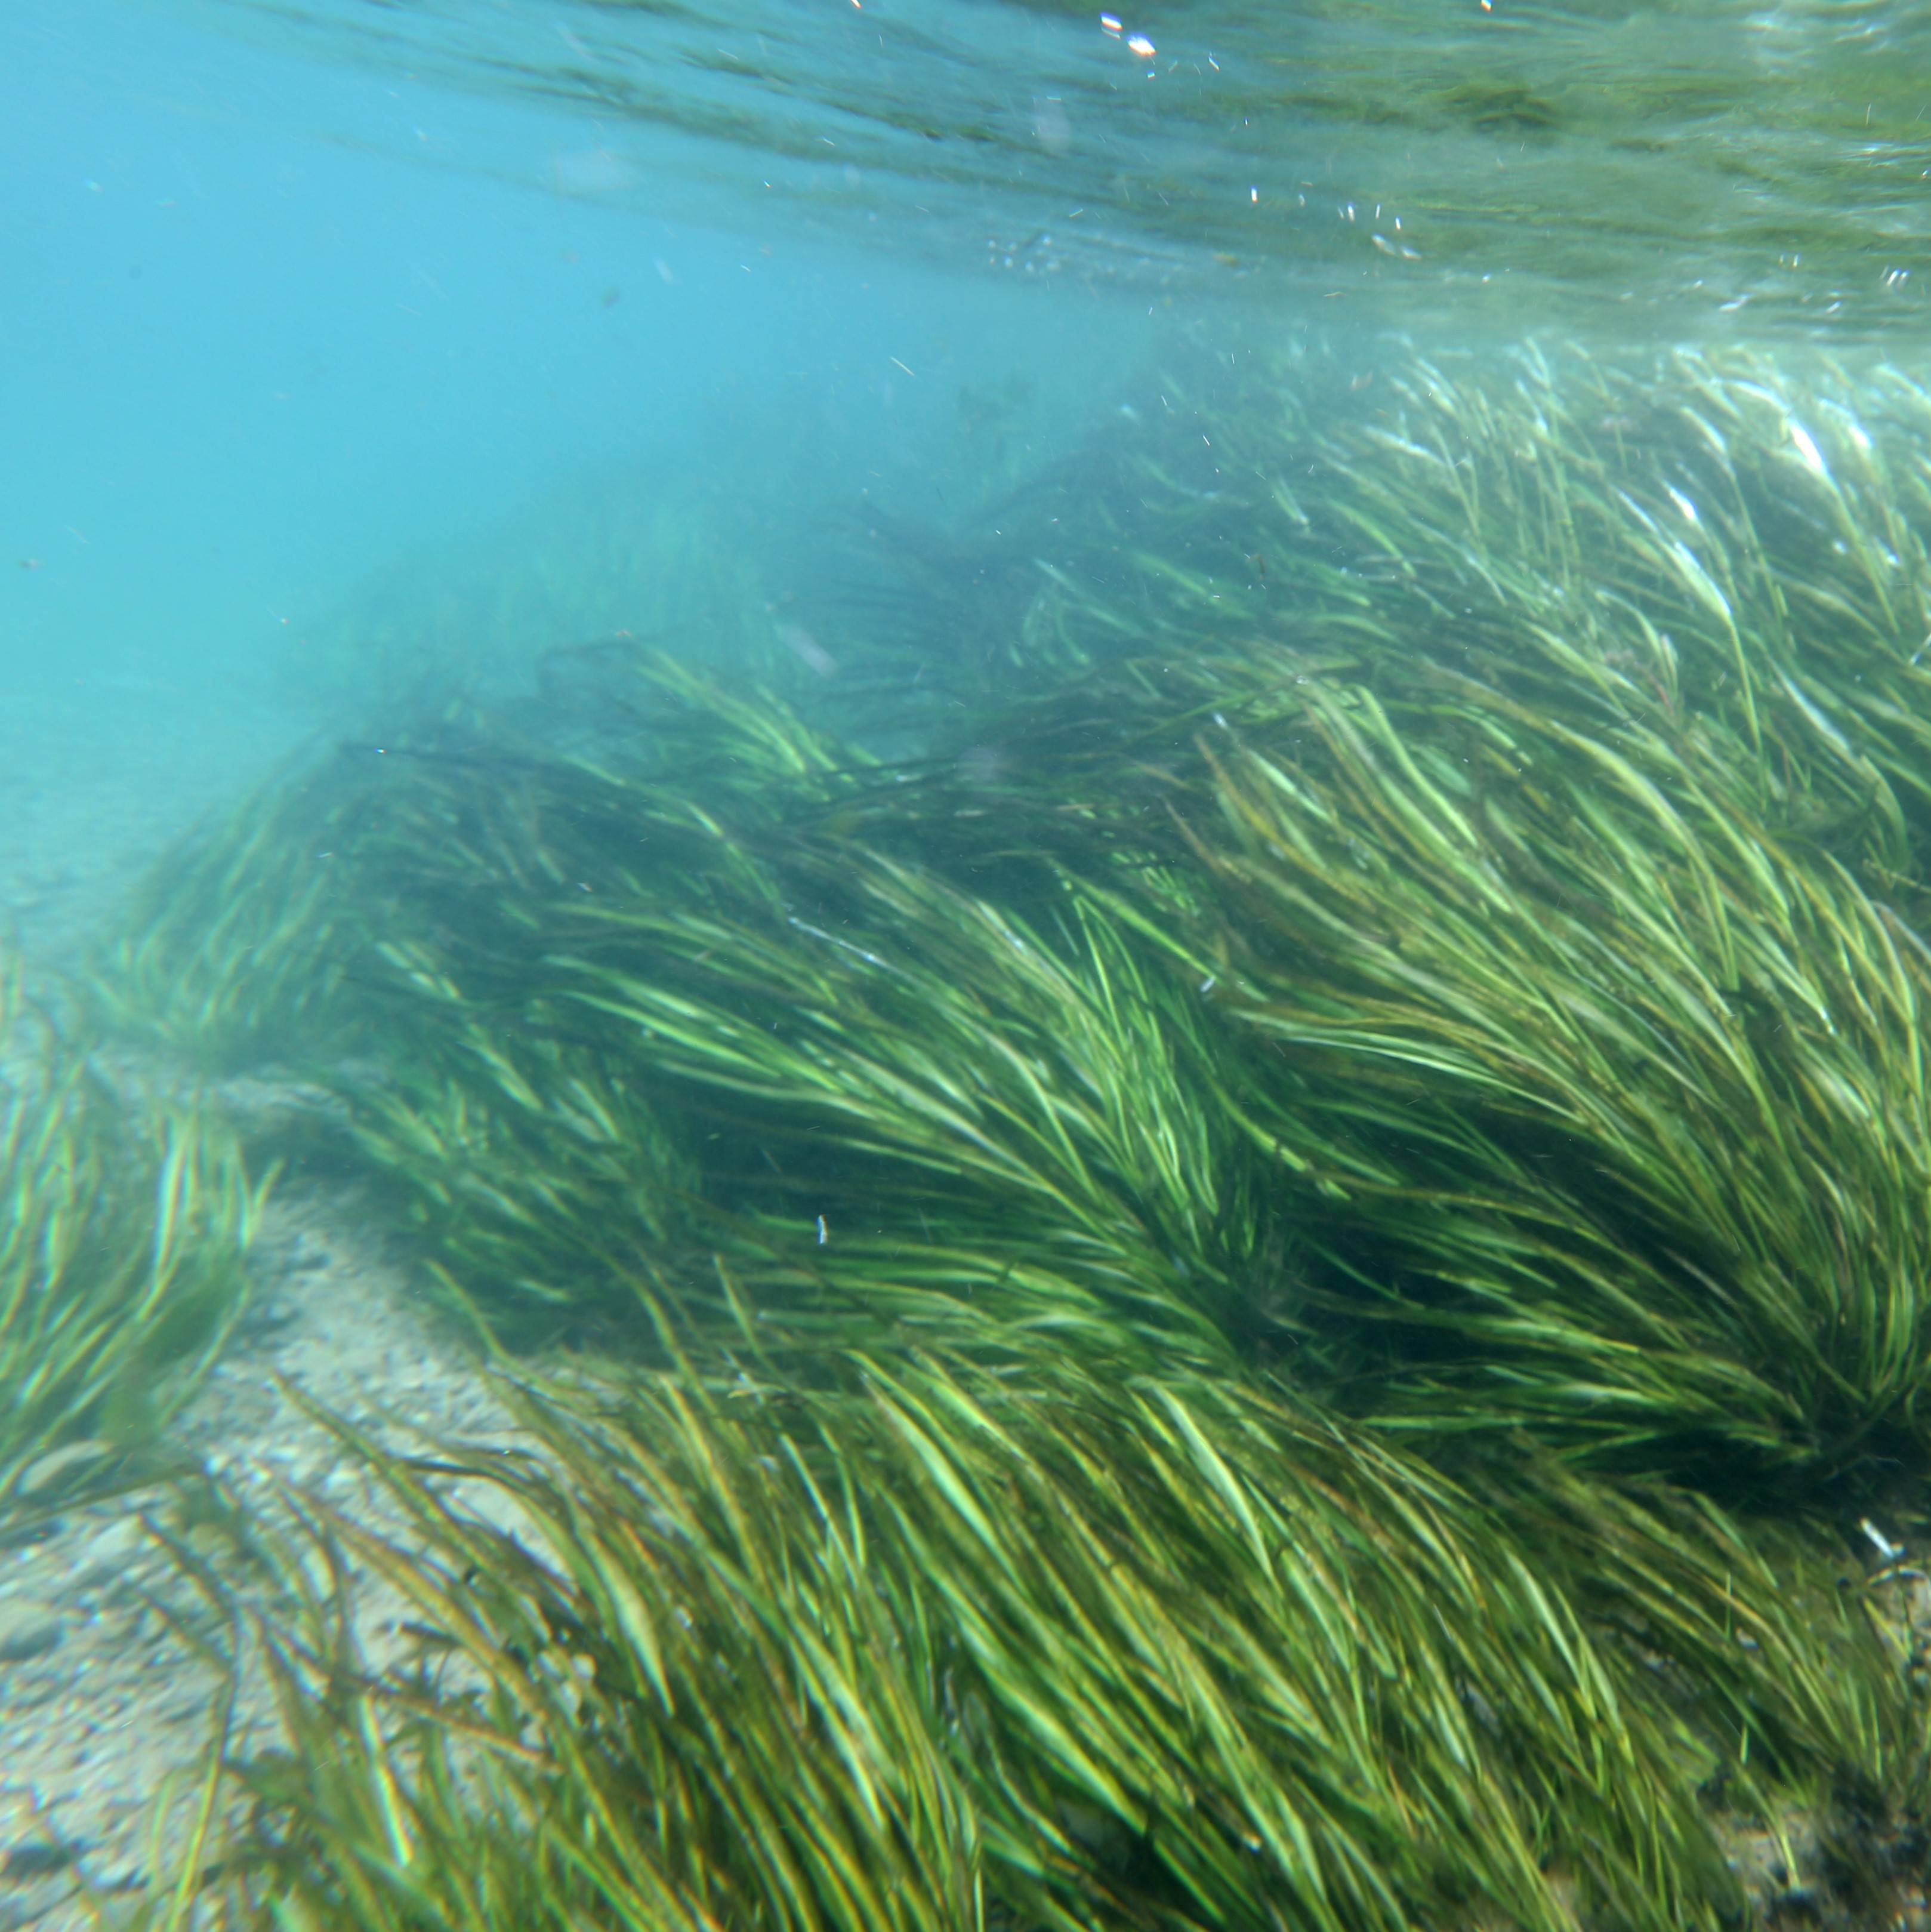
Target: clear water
292,342
354,354
316,318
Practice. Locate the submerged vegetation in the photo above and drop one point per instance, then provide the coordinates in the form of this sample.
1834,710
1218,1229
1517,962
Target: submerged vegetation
122,1238
1256,1288
930,1644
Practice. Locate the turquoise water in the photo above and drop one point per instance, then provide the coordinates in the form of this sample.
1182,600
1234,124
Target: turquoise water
403,396
321,320
297,299
294,345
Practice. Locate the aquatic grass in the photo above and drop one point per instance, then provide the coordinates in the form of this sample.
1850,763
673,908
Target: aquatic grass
1576,1044
925,1642
969,1102
607,1018
1488,973
1714,540
1697,583
229,952
670,1695
1774,1636
1475,974
1720,536
1588,1098
1648,1086
243,945
125,1225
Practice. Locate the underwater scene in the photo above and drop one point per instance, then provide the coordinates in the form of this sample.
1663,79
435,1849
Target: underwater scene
965,966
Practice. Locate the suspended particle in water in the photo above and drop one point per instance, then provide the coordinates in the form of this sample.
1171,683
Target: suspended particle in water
593,171
1050,128
806,649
